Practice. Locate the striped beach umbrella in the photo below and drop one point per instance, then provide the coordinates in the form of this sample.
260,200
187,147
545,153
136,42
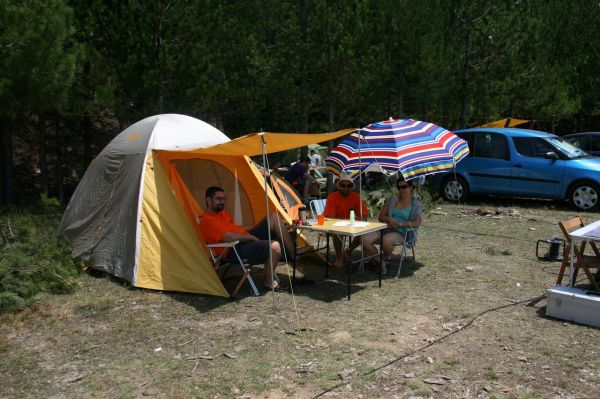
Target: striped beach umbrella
413,148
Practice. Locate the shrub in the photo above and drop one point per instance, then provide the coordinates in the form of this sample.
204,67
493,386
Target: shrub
35,259
376,196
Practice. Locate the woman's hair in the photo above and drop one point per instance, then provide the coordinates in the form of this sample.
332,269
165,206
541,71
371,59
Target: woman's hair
410,183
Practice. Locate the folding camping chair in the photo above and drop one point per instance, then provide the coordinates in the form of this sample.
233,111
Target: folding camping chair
410,242
317,207
219,263
581,260
222,265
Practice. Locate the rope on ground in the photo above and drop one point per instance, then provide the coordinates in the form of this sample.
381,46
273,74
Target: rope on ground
530,300
475,234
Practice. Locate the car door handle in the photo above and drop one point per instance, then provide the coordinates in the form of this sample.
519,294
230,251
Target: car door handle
518,165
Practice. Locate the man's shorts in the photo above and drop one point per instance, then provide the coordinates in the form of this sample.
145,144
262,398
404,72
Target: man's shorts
254,252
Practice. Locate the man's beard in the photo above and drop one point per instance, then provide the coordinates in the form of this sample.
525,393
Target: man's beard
219,207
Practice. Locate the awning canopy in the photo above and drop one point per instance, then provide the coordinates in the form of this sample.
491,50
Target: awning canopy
252,144
502,123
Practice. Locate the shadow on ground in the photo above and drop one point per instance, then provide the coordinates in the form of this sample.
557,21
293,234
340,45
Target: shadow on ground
312,282
202,303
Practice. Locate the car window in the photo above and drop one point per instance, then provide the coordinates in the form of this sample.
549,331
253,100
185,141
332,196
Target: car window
533,147
594,143
468,137
578,141
567,149
490,145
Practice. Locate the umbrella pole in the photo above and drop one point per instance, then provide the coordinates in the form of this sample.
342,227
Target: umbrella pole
360,176
362,251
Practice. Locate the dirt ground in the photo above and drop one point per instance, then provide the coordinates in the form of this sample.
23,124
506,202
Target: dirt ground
465,319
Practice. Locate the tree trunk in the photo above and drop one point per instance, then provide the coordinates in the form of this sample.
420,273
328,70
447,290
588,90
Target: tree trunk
465,73
329,184
400,114
60,190
7,163
42,155
87,141
446,116
511,110
160,66
304,73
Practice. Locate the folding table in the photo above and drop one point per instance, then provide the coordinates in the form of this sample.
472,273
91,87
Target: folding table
342,228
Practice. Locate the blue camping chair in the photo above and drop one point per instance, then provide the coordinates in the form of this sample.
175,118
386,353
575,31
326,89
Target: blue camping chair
410,242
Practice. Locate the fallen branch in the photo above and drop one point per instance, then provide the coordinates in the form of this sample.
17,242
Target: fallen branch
190,341
205,357
194,369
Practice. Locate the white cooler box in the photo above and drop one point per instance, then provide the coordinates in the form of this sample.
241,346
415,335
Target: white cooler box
574,304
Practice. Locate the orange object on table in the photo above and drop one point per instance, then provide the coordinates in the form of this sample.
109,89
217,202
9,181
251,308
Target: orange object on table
321,219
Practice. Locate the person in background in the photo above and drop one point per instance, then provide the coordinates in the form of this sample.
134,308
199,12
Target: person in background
402,213
315,158
338,205
216,226
299,177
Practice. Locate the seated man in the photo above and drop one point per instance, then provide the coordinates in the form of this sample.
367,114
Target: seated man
299,177
217,226
339,203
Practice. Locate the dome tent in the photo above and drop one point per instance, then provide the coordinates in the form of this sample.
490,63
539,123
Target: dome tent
134,212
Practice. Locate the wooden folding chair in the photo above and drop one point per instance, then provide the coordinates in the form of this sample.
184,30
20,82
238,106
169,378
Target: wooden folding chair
219,263
580,260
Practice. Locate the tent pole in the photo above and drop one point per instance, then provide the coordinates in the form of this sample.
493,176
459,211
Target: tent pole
266,172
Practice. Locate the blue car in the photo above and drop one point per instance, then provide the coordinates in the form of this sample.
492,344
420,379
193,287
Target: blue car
522,163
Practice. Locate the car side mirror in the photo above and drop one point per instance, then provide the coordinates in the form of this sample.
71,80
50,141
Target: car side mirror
551,155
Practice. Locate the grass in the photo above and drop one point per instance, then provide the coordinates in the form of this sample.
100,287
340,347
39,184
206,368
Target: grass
103,339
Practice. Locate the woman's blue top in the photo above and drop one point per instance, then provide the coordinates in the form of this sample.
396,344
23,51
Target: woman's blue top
402,215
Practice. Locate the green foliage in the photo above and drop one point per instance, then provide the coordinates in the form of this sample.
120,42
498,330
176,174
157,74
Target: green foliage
490,374
37,57
375,197
73,72
36,259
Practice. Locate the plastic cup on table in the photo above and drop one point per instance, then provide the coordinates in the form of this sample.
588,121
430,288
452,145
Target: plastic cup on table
321,219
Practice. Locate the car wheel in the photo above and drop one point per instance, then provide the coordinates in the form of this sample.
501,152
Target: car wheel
454,188
584,196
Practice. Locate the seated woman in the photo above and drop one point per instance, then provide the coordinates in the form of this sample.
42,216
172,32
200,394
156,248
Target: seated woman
402,213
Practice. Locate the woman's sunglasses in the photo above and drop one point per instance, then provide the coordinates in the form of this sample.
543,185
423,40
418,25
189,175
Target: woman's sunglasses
402,186
349,185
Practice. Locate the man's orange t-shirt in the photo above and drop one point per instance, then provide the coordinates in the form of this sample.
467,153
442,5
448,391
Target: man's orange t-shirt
214,226
339,206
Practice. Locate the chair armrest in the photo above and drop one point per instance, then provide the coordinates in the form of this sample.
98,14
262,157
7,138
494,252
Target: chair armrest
223,244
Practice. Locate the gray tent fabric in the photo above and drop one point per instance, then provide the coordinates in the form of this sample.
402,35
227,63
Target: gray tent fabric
102,218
